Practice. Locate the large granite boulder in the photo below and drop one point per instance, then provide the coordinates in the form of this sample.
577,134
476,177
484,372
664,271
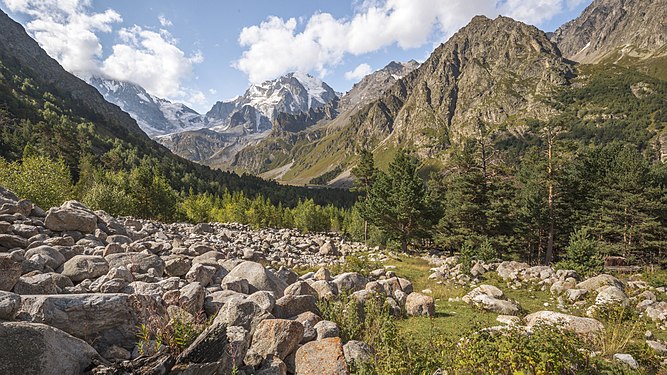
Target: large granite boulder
577,324
71,216
31,348
259,278
278,337
323,357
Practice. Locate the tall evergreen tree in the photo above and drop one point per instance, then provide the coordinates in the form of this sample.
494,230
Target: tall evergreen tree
398,202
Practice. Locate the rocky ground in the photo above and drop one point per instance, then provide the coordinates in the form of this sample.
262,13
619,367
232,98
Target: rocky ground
77,286
574,302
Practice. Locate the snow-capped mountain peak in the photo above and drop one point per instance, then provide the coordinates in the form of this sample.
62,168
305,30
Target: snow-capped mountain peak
292,93
155,116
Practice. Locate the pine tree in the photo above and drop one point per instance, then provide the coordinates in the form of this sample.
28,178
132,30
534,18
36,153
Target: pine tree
398,202
365,173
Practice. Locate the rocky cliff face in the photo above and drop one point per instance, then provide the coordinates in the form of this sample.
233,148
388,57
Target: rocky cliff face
632,28
373,85
293,93
487,72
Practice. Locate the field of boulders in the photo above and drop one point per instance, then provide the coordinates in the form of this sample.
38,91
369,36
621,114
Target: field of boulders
84,292
575,302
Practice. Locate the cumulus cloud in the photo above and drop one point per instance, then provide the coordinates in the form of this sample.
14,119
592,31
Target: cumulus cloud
277,46
359,72
68,31
150,59
164,21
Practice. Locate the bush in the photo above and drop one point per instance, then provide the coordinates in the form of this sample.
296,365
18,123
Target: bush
581,254
109,198
547,350
45,182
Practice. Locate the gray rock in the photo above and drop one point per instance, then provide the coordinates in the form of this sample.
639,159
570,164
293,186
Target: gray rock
289,306
488,303
201,274
38,284
626,359
657,346
308,320
577,324
219,347
325,329
418,304
177,265
611,295
237,285
102,320
142,261
325,289
30,348
53,257
350,281
596,282
83,267
322,357
278,337
192,298
9,305
272,365
259,278
65,218
358,351
264,299
301,288
10,270
240,312
10,241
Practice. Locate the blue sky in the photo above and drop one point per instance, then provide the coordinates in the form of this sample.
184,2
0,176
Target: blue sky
202,51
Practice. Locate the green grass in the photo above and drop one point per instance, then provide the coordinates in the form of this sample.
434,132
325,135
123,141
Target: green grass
454,319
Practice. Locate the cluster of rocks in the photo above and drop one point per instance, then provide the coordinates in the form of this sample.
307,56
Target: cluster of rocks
75,285
567,289
570,291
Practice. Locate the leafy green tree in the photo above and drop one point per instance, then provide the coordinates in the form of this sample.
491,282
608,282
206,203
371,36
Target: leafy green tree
45,182
197,208
309,217
398,202
582,254
110,198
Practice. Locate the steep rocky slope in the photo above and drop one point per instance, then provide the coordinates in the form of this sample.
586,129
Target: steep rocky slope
487,73
633,28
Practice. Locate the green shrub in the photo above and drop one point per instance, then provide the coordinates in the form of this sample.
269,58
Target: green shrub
112,199
581,254
45,182
547,350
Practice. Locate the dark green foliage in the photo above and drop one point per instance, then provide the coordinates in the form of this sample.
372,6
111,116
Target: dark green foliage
326,177
398,202
45,182
582,254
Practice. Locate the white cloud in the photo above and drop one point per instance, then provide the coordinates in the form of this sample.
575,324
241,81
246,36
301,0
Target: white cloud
164,21
359,72
68,31
150,59
275,46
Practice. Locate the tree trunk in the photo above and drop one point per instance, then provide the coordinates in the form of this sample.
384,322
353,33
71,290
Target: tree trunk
550,200
366,232
404,245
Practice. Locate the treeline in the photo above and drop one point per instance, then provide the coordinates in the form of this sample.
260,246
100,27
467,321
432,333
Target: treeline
144,192
63,128
556,203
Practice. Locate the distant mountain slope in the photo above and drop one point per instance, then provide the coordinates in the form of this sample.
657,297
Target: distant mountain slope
628,32
44,106
259,105
373,85
155,116
488,72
